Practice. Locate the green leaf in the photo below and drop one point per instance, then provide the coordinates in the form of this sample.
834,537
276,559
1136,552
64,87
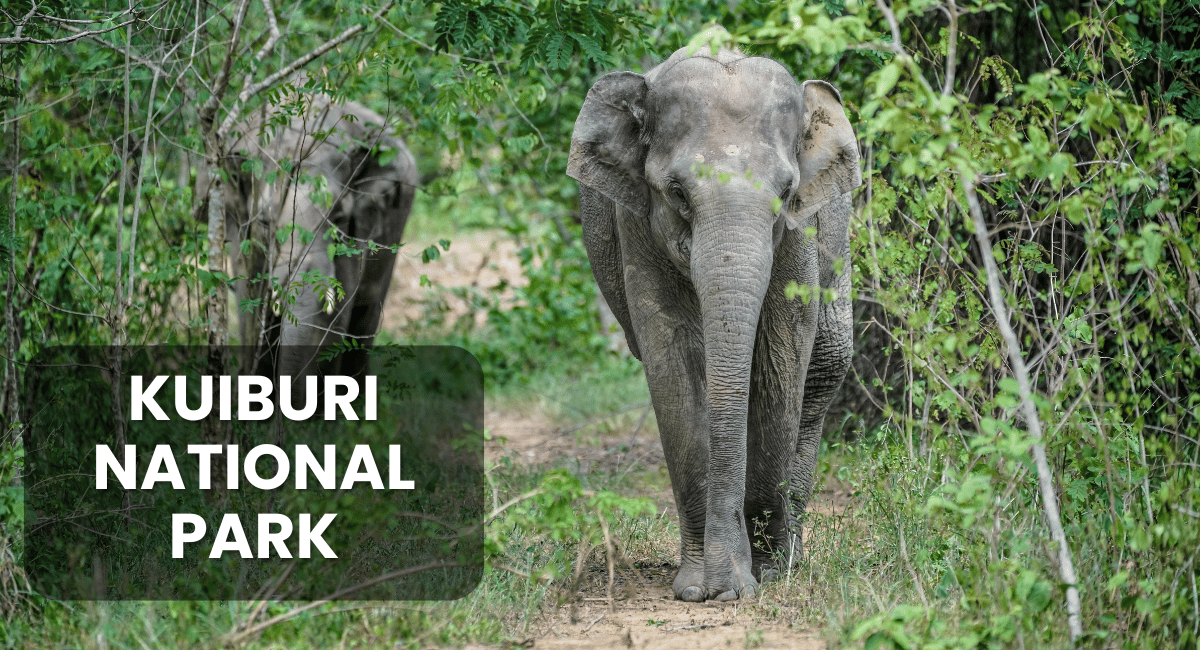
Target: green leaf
878,641
1193,142
1117,581
887,79
989,425
1039,596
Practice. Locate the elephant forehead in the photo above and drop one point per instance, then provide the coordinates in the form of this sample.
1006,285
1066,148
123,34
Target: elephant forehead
742,155
747,96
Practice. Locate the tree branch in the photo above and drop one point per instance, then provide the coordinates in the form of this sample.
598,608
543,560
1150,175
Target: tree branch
79,33
209,110
141,60
951,47
895,26
1028,409
249,91
238,636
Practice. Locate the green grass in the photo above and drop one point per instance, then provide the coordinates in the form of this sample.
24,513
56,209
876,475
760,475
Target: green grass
610,386
858,578
882,565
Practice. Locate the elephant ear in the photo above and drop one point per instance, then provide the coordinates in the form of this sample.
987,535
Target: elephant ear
827,152
607,153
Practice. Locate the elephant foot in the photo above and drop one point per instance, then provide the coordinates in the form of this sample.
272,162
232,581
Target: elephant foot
738,582
769,569
788,554
733,594
693,592
689,584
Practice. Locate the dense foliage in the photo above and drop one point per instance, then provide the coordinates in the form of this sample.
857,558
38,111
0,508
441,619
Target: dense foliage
1089,193
1071,129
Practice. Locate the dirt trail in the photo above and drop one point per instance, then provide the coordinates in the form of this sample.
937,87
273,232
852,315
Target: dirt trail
477,260
644,613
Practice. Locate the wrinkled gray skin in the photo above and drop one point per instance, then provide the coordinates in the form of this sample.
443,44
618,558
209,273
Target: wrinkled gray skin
349,172
680,173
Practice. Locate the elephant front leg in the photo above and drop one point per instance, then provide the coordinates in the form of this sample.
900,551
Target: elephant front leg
366,287
830,358
664,315
781,356
675,374
774,421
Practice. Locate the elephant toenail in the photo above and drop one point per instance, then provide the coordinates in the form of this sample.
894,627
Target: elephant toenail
692,595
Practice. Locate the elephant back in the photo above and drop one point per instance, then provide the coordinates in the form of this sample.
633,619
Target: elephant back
358,156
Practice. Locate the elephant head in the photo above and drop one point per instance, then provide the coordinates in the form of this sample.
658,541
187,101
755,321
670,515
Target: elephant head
707,186
335,174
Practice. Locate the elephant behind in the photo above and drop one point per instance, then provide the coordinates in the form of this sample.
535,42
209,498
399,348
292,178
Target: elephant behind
708,187
334,177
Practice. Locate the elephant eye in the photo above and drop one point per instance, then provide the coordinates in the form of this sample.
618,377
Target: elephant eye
679,198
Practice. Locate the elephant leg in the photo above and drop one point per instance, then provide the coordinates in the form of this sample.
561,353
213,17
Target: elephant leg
364,320
665,315
830,358
782,352
677,392
311,325
370,291
301,342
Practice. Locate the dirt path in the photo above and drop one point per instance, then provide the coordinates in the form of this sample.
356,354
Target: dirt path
654,620
477,261
644,613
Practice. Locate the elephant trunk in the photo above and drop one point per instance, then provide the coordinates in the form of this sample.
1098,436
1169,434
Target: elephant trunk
732,256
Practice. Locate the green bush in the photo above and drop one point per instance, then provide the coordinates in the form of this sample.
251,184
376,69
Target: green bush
1088,191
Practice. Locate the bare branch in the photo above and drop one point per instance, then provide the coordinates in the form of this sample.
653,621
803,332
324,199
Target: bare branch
71,21
273,28
118,320
141,60
1028,410
249,91
951,47
209,110
896,47
13,40
137,192
1187,511
214,146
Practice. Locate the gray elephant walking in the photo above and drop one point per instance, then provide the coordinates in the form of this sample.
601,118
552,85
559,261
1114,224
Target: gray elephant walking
707,186
336,174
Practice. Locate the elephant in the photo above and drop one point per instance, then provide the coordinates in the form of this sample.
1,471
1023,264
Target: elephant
707,187
334,174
